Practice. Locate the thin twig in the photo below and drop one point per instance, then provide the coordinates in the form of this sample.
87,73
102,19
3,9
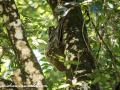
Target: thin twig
111,54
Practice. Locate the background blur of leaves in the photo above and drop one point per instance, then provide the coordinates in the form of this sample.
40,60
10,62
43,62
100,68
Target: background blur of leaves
36,16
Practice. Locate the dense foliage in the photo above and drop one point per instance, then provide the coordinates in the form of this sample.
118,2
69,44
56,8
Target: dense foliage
103,25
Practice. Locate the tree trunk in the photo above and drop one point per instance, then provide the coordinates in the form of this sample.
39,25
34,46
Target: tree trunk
75,40
30,72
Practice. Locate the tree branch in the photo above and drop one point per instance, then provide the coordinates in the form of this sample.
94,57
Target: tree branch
30,72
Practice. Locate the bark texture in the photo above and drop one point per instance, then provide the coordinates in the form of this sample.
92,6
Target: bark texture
30,72
75,40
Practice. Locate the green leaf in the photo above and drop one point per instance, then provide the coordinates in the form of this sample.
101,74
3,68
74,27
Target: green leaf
118,8
107,76
96,80
64,86
96,7
74,62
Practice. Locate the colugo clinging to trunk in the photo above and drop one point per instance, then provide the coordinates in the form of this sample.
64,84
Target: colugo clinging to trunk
55,48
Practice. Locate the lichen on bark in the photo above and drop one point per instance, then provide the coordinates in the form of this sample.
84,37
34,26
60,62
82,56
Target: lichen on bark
29,66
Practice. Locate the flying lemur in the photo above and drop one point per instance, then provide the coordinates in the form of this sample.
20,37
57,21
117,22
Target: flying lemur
55,48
